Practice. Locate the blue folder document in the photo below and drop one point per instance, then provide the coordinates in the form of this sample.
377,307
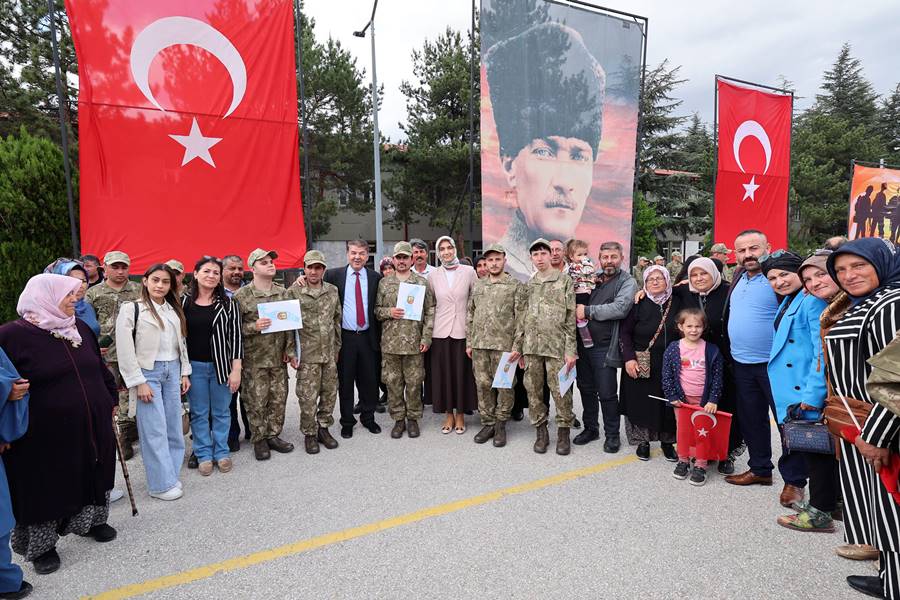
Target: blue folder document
285,315
411,298
506,373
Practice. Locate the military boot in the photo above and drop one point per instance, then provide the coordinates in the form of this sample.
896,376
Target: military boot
399,428
261,450
543,439
325,438
311,444
412,428
486,433
563,446
499,434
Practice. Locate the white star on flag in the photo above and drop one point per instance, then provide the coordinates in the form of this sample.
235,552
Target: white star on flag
196,145
702,432
750,189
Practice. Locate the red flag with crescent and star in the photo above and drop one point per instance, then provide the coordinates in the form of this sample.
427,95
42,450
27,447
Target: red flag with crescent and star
706,434
754,163
188,129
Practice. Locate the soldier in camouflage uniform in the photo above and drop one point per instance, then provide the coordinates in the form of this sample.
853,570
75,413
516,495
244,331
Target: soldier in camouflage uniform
264,387
674,267
106,298
491,330
320,343
403,344
720,252
637,271
545,338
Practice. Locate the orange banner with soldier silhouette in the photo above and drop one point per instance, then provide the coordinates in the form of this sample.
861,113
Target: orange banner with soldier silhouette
874,203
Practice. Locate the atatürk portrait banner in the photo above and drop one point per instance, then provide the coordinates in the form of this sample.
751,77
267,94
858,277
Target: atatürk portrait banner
559,114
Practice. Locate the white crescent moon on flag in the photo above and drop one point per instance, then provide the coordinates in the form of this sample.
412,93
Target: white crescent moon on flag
171,31
697,413
751,129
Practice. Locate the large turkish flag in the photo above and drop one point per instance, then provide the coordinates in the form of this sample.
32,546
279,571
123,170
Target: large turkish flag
754,164
188,129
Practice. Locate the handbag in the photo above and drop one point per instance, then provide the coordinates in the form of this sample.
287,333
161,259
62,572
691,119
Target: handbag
835,413
643,356
806,435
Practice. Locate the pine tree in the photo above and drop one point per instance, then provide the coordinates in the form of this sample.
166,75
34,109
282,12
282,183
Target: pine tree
889,125
846,93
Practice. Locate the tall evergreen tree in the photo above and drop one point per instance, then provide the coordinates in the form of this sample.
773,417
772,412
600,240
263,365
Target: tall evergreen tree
846,93
889,125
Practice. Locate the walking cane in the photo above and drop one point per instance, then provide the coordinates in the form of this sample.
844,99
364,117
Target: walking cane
134,510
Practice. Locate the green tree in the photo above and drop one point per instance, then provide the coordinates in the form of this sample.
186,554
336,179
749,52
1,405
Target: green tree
34,221
27,78
431,177
846,93
659,144
889,125
338,108
644,226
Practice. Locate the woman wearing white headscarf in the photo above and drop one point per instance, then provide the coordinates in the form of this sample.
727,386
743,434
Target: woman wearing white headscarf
651,324
451,381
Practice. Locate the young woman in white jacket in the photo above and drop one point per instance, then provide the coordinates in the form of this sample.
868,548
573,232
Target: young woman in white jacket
150,340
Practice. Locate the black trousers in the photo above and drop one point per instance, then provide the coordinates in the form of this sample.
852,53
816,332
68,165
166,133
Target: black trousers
823,480
357,366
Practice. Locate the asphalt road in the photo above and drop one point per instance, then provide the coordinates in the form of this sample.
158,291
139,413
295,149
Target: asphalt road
442,517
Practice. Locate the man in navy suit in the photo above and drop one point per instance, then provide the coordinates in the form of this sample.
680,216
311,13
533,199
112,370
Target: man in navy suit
360,337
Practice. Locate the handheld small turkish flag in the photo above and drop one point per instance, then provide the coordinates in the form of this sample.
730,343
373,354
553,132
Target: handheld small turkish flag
188,128
754,163
706,434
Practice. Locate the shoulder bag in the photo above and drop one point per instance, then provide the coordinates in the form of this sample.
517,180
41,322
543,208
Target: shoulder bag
643,356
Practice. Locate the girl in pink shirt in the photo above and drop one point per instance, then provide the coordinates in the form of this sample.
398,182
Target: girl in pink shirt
692,374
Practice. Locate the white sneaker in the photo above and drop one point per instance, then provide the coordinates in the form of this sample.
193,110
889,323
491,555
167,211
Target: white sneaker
172,494
115,494
178,485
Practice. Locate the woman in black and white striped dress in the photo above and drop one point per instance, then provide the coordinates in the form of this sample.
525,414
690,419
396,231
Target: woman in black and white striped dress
869,271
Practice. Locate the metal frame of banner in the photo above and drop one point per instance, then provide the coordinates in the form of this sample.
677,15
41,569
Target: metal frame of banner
640,117
716,144
64,132
306,199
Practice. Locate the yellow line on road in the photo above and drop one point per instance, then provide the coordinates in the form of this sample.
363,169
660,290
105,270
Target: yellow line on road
263,556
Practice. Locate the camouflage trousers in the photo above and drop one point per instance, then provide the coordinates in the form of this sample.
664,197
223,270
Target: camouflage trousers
264,393
493,405
537,368
317,388
403,375
122,417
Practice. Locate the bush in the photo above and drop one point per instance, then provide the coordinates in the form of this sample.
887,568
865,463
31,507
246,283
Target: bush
33,213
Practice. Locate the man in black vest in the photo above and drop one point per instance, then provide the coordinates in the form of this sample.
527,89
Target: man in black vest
359,358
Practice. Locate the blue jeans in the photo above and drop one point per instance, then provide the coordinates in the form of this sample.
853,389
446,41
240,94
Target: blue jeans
209,398
599,390
754,400
10,573
159,426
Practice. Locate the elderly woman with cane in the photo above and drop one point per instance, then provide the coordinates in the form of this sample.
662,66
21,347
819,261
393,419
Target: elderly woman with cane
60,472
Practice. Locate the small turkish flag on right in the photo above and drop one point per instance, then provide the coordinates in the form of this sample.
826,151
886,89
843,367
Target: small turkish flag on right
705,433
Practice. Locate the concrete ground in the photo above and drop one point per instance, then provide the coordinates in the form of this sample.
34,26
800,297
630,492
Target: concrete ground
442,517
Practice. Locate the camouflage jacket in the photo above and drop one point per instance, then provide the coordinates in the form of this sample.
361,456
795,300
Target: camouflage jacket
106,302
402,336
546,325
494,308
261,349
638,273
728,272
320,309
883,383
674,268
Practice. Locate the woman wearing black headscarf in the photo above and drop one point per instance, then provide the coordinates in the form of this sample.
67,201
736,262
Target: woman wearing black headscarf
869,271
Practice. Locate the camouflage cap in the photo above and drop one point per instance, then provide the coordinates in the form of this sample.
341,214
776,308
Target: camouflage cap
402,248
116,256
640,258
314,257
495,248
258,254
676,253
658,257
175,265
537,243
719,248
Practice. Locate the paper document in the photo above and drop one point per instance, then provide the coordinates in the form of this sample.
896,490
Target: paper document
506,373
285,315
565,380
411,298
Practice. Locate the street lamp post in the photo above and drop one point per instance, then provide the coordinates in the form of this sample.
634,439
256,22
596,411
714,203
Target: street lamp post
376,141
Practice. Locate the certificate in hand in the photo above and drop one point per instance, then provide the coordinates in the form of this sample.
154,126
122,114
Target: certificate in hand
506,371
411,298
565,380
285,315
